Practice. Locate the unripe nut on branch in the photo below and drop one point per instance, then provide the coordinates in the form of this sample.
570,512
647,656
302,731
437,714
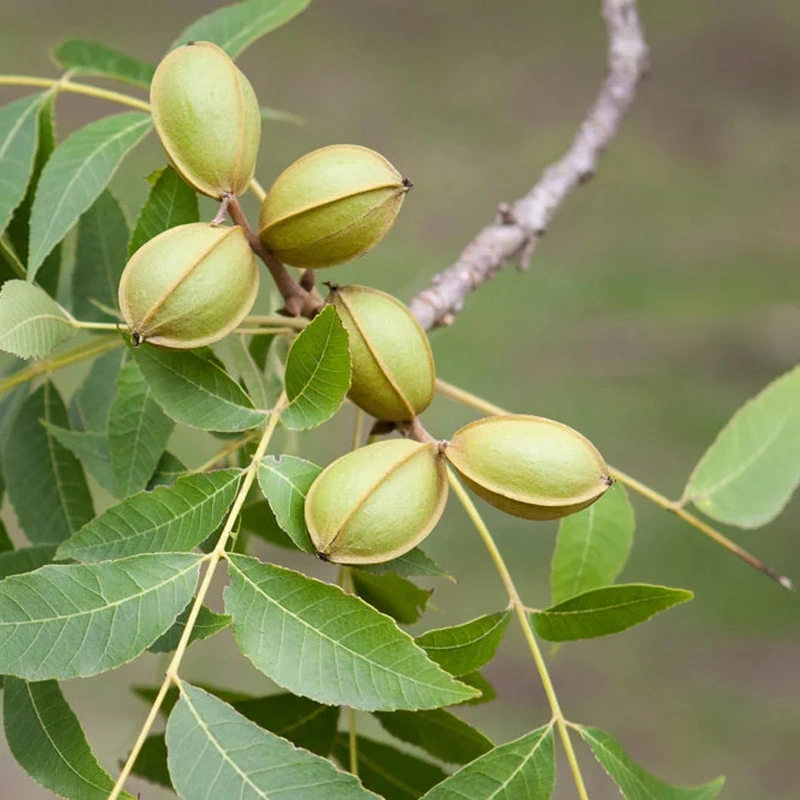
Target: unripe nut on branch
394,377
331,206
529,467
377,502
207,117
189,286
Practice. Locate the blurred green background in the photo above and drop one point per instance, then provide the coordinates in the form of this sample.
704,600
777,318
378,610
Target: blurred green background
664,295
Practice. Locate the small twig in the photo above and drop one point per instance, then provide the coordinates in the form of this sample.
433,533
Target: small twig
229,449
519,226
525,623
94,347
213,559
298,302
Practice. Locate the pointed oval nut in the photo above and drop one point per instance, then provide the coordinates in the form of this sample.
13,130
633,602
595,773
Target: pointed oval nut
394,377
377,502
189,286
207,117
330,206
530,467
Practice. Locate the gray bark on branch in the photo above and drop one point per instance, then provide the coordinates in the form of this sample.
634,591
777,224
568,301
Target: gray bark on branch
520,225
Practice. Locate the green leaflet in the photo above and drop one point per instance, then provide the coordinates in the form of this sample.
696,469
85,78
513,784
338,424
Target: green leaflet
285,481
603,611
465,648
70,621
593,545
91,449
26,559
76,173
171,202
100,257
214,751
748,475
196,391
45,482
391,773
332,647
413,564
317,372
90,405
236,27
402,600
207,624
92,58
524,769
633,782
438,732
172,518
19,123
138,432
47,740
32,324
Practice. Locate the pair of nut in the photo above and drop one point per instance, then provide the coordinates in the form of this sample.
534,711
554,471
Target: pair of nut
330,206
380,501
193,284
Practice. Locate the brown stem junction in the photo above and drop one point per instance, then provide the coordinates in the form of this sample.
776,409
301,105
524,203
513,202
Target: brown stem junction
298,301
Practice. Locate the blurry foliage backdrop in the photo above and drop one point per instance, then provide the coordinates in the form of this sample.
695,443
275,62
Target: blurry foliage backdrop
665,294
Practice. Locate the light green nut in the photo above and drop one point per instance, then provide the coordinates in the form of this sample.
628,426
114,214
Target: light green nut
529,467
207,117
189,286
330,206
377,502
394,377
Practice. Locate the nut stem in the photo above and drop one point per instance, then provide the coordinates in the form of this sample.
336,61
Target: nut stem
416,430
298,302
